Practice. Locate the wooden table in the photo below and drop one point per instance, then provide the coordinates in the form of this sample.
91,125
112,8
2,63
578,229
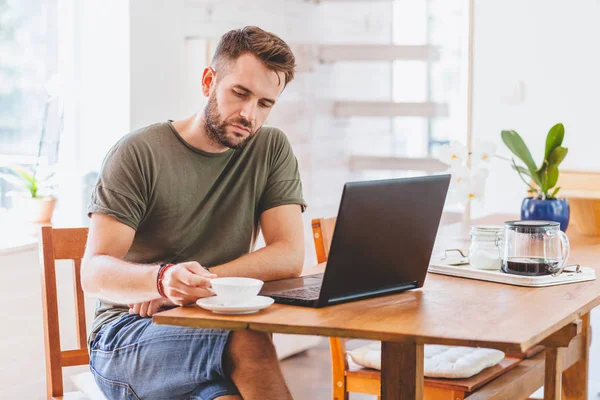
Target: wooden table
447,310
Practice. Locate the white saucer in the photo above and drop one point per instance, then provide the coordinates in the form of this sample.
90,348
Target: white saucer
217,306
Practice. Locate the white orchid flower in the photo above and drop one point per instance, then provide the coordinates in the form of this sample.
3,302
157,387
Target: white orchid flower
483,151
453,154
460,175
474,187
466,185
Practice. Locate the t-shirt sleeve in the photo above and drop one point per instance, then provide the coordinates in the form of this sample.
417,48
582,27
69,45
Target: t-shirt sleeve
283,183
120,190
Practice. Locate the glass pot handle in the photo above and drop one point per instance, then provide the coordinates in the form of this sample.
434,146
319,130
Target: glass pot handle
566,250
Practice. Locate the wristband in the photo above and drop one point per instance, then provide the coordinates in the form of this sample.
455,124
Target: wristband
159,277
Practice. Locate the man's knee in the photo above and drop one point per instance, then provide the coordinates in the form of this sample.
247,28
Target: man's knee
248,346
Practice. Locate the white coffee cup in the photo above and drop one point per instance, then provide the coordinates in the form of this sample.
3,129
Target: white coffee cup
236,290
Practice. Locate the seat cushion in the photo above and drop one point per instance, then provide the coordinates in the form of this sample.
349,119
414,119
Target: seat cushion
440,361
86,383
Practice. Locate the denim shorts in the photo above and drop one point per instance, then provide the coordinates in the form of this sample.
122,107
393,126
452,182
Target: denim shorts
132,358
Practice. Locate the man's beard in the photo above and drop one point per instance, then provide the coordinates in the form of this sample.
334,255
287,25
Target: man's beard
215,126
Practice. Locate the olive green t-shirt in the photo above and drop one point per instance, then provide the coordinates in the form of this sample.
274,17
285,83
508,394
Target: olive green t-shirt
189,205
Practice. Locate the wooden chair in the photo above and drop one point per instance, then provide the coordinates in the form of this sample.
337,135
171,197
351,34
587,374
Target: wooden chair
349,378
64,244
582,188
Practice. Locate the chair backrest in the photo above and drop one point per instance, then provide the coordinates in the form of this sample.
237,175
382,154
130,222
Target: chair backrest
322,234
574,182
61,244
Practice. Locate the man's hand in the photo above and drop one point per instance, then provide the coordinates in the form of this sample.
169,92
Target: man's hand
186,282
149,308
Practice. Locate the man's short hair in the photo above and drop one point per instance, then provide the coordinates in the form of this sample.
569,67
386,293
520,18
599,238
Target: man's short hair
267,47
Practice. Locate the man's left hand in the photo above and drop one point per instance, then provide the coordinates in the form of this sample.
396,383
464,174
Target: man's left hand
148,308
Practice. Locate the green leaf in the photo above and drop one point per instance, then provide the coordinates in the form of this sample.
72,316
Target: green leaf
516,144
23,173
14,180
522,170
516,168
553,195
554,139
551,176
557,155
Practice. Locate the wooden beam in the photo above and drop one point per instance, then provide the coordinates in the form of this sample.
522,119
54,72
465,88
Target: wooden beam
389,109
396,163
563,337
375,52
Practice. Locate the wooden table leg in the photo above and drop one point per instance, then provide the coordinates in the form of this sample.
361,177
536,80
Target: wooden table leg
553,374
401,371
575,379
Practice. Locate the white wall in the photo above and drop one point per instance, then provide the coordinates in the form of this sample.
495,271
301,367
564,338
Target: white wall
550,49
172,41
103,57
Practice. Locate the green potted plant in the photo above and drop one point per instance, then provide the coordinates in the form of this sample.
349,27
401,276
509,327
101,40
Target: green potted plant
35,202
541,181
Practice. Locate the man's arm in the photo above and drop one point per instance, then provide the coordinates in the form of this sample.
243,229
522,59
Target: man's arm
283,255
104,273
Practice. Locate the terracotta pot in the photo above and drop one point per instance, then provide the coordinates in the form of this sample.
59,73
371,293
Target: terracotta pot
38,210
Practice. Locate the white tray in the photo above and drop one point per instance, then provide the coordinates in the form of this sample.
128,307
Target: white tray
465,271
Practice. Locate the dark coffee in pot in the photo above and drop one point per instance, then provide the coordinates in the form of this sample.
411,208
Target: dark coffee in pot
529,266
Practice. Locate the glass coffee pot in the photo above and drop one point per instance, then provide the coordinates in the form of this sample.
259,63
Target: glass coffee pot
534,248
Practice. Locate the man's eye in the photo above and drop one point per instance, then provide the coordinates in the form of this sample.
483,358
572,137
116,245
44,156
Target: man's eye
238,94
264,105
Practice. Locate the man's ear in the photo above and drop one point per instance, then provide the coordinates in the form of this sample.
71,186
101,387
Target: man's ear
208,79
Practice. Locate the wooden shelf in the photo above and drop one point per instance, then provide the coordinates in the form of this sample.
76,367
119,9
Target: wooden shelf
376,52
397,163
389,109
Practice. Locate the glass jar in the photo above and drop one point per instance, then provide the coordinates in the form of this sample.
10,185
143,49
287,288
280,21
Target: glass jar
486,242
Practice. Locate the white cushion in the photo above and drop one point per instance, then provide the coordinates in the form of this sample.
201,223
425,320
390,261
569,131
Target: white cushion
440,361
86,383
288,345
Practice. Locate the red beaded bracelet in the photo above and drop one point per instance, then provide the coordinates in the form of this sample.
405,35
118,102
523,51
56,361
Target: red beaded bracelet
159,277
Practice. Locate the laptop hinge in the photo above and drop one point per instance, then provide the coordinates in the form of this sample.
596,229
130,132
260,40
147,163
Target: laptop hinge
372,293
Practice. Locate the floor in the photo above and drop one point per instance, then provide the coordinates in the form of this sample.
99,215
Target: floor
313,367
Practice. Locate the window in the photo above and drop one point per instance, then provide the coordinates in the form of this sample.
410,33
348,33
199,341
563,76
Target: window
27,61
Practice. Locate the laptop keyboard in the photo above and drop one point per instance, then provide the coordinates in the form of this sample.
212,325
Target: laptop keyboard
304,293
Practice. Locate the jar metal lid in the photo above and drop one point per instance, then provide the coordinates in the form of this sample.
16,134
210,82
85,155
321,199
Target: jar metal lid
530,226
491,230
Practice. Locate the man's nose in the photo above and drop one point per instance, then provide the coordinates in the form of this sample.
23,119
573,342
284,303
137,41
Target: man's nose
248,112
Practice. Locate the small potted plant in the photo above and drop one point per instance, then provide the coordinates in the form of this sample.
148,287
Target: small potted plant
35,202
543,203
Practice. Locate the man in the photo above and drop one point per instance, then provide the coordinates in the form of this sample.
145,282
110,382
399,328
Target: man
178,203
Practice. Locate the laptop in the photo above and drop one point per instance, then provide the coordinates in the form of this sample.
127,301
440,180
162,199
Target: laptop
381,245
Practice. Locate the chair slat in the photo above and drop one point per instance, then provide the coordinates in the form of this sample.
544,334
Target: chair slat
69,358
69,243
79,306
54,384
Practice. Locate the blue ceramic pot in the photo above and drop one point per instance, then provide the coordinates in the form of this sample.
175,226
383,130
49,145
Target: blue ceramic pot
546,210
